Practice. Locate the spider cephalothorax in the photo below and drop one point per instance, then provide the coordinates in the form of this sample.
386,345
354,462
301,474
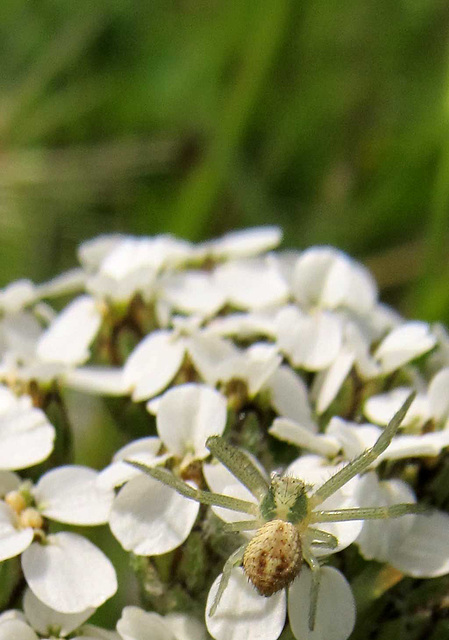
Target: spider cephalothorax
284,516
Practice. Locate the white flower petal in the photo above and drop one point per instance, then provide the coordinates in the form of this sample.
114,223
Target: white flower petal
251,284
311,342
69,574
150,518
439,395
21,332
70,494
329,278
17,295
208,352
336,613
70,281
424,552
187,415
136,624
68,337
289,397
353,438
92,252
254,366
12,614
379,537
92,632
245,243
43,618
403,344
156,252
107,381
243,325
359,343
220,480
16,630
185,627
121,290
8,482
12,540
327,383
243,613
153,364
301,436
144,450
381,408
26,436
412,446
193,292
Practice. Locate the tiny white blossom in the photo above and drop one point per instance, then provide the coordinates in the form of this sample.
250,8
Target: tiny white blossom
219,361
403,344
329,279
64,570
148,518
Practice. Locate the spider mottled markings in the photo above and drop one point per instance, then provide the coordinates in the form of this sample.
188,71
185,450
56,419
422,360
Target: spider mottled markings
285,516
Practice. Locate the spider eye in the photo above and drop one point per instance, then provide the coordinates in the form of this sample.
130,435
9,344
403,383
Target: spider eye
273,557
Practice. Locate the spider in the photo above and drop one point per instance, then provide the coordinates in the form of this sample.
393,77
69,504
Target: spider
286,518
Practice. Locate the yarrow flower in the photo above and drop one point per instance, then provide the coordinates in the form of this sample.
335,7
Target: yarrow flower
134,624
64,570
293,524
260,383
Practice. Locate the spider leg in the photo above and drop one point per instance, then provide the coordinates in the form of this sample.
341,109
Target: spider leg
368,513
362,461
315,586
234,560
323,537
239,465
241,525
205,497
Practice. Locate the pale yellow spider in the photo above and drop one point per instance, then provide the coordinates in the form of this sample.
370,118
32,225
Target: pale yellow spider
285,516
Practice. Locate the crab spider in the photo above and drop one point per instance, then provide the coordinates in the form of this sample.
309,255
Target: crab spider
286,518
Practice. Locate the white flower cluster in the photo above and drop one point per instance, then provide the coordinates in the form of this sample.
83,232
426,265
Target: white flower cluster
211,330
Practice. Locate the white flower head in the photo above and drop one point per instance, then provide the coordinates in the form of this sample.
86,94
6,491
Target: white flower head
150,519
293,524
329,279
122,266
405,343
218,360
64,570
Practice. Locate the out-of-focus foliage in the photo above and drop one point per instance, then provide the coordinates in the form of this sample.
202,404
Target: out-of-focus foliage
195,117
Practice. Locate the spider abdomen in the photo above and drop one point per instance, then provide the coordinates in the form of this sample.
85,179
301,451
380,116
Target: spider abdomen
273,557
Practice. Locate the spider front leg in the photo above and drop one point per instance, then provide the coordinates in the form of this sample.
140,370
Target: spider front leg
368,513
315,586
317,536
364,460
241,525
239,465
204,497
234,560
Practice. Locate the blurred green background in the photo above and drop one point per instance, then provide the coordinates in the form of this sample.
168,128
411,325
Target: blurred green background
199,116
